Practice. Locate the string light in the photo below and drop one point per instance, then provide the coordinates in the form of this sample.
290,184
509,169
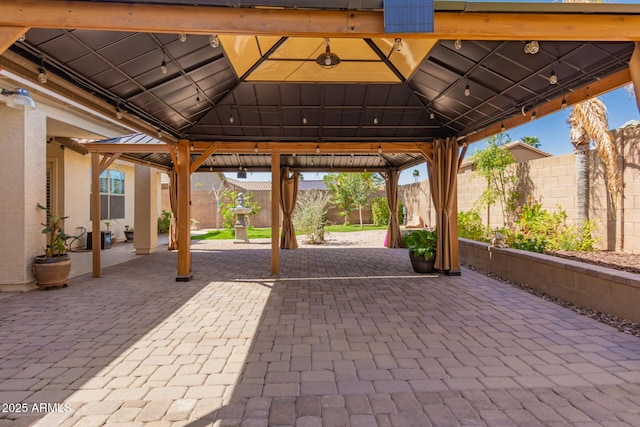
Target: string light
553,79
231,119
163,67
42,74
533,116
214,41
318,149
457,45
118,113
502,128
304,120
375,120
564,103
467,90
255,149
182,37
379,149
432,115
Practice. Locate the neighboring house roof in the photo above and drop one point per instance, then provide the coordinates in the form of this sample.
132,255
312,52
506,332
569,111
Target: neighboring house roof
521,151
266,185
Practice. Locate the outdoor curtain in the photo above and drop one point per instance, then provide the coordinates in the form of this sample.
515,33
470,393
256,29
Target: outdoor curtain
443,172
173,200
288,197
394,237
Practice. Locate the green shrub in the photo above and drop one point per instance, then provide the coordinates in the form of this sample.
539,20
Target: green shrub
380,211
309,218
164,222
470,226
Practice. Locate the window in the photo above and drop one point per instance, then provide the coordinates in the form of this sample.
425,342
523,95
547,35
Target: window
112,194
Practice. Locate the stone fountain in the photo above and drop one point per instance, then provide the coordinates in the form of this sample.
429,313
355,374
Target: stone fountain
240,226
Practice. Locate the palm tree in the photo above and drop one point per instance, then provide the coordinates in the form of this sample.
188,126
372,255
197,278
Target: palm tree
533,141
588,121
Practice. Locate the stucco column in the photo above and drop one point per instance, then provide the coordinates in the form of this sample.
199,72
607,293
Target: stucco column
145,225
23,176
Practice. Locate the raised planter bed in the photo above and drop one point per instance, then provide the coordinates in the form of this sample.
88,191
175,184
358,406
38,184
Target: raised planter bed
600,288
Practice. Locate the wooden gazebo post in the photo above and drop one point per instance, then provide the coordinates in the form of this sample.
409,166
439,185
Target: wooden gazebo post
183,167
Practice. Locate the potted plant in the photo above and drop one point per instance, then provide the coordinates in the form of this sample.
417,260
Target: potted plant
128,233
52,269
422,249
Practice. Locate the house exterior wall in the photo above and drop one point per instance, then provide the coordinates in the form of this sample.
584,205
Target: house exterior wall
22,173
77,192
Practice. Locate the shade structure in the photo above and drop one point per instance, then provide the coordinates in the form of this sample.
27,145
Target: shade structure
443,168
394,237
289,195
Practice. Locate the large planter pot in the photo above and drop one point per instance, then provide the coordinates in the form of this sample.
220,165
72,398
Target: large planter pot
129,236
422,265
52,272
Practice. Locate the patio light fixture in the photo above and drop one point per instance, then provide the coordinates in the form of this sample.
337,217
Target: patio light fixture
327,59
18,98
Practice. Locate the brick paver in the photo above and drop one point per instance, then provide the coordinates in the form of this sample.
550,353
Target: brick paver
346,335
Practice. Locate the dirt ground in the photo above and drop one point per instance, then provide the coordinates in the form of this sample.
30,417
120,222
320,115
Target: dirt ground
617,260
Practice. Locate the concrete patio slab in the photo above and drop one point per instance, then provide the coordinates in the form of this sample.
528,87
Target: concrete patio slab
346,335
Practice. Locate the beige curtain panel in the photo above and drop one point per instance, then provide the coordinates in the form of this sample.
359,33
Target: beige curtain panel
394,237
443,173
173,201
288,197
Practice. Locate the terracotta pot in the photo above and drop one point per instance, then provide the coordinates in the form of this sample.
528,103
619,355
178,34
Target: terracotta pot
52,272
422,265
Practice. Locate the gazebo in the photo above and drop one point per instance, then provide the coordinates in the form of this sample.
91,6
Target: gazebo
298,87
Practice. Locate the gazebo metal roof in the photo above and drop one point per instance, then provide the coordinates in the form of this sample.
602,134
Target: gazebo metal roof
255,86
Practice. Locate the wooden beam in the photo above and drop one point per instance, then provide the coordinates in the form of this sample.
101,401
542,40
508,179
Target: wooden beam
275,213
107,160
550,23
9,35
203,157
95,214
184,212
607,84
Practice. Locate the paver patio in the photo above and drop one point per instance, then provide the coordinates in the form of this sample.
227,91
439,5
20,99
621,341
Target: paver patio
347,335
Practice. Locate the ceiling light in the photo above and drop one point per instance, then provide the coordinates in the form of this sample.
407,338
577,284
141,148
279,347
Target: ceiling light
214,41
532,47
397,44
564,103
118,113
18,98
457,45
182,37
327,59
467,91
553,79
42,75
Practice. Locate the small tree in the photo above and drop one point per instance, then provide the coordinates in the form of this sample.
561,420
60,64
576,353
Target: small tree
533,141
228,199
416,175
491,164
350,191
310,214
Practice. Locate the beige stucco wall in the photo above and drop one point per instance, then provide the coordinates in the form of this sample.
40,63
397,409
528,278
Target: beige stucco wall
23,186
77,192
